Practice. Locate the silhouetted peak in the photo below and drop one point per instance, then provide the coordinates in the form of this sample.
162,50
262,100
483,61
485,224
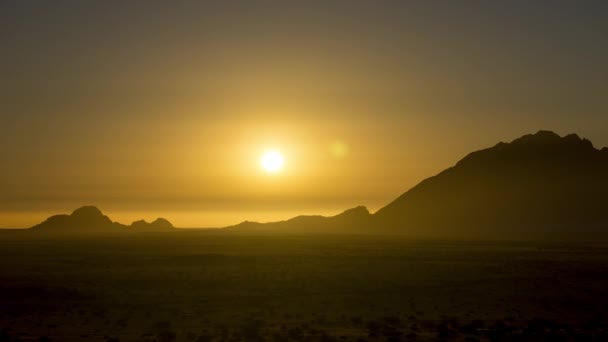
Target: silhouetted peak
162,223
544,138
356,211
158,224
546,134
139,223
537,148
573,137
87,212
90,215
87,218
537,181
540,137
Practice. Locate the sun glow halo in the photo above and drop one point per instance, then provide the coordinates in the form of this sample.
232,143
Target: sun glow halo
272,161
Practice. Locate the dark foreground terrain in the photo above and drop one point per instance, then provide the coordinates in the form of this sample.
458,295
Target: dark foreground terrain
201,286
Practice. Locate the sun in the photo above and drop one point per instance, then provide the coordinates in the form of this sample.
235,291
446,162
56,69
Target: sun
272,161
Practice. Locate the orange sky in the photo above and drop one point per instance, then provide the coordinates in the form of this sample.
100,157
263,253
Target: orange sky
152,110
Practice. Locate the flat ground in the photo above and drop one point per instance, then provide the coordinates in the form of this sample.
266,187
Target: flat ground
201,286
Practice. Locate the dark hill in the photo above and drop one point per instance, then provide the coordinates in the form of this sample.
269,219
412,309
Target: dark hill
85,219
538,185
159,225
90,219
345,222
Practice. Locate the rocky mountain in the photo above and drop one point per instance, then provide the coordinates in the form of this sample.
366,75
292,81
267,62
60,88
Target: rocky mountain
84,219
538,185
90,219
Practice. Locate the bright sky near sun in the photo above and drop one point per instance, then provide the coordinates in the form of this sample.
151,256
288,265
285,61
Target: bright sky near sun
272,161
211,113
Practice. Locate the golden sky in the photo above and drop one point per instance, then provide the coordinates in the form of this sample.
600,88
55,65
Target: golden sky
150,109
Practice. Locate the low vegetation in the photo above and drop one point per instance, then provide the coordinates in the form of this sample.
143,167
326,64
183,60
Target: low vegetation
226,287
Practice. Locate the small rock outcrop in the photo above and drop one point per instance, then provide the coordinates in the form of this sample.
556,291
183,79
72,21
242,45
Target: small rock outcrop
160,224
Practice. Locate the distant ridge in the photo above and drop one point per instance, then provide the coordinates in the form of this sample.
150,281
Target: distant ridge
349,220
89,219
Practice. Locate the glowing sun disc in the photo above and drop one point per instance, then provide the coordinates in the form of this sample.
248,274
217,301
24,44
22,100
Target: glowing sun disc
272,161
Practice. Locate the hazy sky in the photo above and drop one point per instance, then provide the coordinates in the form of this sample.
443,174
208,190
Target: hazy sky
150,108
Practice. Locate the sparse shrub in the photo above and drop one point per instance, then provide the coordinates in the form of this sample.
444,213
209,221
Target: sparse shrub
122,323
321,320
392,334
325,337
472,328
162,326
357,321
204,338
373,329
191,336
392,321
252,330
277,336
445,332
222,331
295,333
166,336
164,331
499,331
4,335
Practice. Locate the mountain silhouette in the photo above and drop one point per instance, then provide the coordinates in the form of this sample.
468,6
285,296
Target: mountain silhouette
540,185
159,225
84,219
537,185
89,219
347,221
